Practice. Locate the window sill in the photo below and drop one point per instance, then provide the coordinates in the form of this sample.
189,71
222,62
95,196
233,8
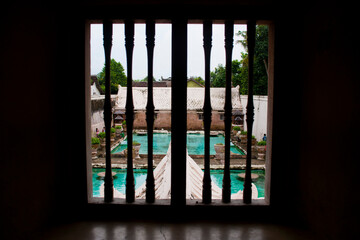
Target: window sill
162,210
167,202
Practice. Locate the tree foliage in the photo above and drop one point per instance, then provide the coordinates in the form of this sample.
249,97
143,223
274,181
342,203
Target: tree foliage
260,58
240,68
117,76
239,76
217,77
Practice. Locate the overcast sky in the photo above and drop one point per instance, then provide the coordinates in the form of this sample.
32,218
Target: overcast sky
162,51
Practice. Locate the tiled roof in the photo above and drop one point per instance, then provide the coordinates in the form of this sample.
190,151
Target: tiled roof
155,84
195,98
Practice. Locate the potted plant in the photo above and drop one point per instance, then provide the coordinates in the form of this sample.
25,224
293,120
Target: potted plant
95,143
261,149
253,140
126,152
112,134
118,130
243,137
236,129
136,146
102,136
220,151
124,125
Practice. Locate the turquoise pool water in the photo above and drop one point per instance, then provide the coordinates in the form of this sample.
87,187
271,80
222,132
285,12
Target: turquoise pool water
195,144
140,177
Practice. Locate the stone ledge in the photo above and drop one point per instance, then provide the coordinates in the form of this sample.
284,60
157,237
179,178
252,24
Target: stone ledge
212,167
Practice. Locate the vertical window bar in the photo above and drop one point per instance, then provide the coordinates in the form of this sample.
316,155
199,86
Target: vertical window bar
229,32
251,27
107,33
150,44
129,46
178,111
207,32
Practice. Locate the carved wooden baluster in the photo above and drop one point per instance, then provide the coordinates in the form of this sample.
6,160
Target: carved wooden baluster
229,32
129,45
178,111
107,33
207,32
150,43
249,109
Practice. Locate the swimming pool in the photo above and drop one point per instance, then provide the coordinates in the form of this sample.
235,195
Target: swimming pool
140,177
195,144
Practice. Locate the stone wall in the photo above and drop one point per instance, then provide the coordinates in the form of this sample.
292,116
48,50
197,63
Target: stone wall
97,121
140,120
193,121
163,121
163,118
216,122
97,112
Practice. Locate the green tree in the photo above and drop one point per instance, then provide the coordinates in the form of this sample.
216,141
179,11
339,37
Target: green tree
260,59
217,77
239,76
117,76
240,68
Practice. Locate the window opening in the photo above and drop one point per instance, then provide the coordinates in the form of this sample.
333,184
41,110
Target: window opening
162,83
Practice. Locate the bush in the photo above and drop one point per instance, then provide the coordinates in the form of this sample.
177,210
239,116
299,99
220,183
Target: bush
245,133
95,141
124,122
113,130
236,128
102,135
117,127
261,143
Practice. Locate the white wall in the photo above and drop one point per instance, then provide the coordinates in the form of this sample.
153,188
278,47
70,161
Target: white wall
260,115
94,90
97,121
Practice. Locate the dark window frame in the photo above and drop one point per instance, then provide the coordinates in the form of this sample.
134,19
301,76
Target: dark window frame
95,203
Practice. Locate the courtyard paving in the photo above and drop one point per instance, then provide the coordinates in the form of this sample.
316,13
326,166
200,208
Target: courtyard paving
235,163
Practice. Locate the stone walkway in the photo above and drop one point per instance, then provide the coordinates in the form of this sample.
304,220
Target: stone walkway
215,164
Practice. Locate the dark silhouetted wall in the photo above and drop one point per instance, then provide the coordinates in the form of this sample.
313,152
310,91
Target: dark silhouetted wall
314,167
